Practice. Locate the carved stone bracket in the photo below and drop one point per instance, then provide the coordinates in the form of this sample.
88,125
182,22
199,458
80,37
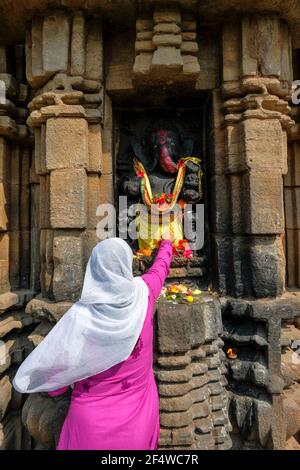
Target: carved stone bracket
166,47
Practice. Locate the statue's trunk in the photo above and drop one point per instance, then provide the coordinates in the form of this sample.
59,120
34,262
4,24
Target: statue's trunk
166,161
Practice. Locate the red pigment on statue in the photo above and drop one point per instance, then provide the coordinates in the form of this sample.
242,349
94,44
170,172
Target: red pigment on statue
165,160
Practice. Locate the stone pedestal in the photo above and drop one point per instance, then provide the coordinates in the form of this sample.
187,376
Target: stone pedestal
189,368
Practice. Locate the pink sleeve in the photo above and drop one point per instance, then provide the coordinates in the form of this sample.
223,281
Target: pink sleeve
59,391
156,275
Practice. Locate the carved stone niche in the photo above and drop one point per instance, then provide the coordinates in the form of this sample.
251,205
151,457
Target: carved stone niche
139,137
166,46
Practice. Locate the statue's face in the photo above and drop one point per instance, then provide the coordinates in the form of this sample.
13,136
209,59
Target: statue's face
165,147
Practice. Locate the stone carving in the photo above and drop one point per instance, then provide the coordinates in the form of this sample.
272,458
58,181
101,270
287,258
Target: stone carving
78,64
163,158
190,376
166,47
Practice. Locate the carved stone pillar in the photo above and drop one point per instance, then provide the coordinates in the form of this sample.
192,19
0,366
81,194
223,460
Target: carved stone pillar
72,167
249,158
292,201
62,160
15,285
66,115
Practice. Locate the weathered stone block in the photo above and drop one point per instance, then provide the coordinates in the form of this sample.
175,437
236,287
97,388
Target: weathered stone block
13,435
200,393
174,376
234,149
167,57
173,40
177,361
144,24
222,261
94,51
264,147
94,199
191,66
142,64
44,201
89,240
189,47
144,35
174,328
264,202
176,420
4,263
67,261
293,257
267,266
144,46
174,389
292,207
231,56
44,416
78,45
162,14
4,204
220,203
106,190
199,381
182,436
188,22
204,442
17,347
182,326
36,47
189,36
5,395
176,403
198,368
7,300
68,198
94,148
4,160
44,309
66,143
13,321
263,411
261,45
166,28
40,332
4,64
237,213
56,31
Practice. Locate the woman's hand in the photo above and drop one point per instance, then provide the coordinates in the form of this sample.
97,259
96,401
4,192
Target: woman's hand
168,235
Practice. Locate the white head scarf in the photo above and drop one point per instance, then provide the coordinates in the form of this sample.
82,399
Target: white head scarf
97,332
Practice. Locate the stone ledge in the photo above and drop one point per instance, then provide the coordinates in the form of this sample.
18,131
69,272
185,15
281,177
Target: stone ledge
41,308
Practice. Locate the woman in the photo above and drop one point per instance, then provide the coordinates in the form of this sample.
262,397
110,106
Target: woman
103,345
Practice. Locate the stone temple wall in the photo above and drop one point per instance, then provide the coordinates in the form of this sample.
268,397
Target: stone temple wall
16,273
57,164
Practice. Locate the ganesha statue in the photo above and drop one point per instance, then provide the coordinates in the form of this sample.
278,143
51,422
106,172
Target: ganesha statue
164,176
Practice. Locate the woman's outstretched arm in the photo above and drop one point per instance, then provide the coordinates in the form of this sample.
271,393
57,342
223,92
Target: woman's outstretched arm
156,275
